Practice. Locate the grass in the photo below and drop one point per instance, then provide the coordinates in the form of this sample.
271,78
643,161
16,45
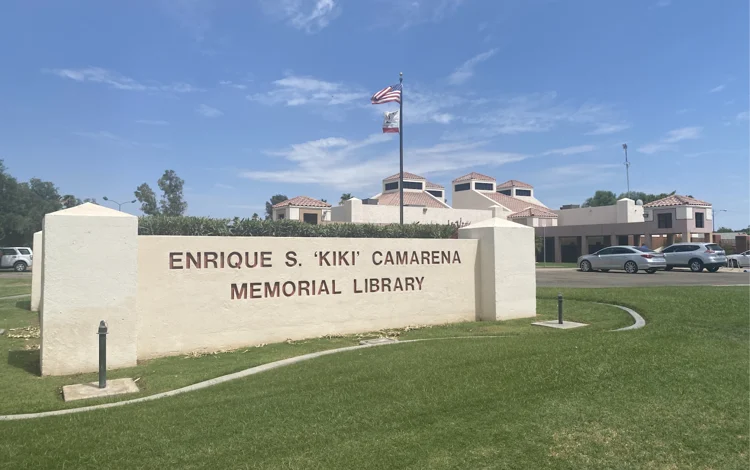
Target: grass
556,265
15,286
671,395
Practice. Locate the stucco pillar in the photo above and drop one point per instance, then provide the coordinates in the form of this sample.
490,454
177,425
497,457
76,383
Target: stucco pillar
353,210
506,278
90,274
584,245
686,237
558,250
37,266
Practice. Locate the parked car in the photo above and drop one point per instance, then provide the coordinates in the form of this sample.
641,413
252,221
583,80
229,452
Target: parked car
741,260
18,258
695,256
631,259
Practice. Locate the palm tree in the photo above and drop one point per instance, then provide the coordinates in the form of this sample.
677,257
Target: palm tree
345,197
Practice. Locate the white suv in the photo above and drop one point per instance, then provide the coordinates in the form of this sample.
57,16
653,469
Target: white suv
17,258
695,256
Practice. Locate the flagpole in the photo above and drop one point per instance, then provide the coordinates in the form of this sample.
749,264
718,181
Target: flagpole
401,148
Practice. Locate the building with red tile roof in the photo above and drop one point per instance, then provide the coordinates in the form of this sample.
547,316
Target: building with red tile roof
304,209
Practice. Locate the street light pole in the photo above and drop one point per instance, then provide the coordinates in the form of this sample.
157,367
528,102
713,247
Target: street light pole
119,204
627,166
714,221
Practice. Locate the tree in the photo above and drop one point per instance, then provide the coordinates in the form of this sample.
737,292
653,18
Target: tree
255,216
23,207
324,200
601,198
724,230
147,198
646,198
345,197
172,203
275,199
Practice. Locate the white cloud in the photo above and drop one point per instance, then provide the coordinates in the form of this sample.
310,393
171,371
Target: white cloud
310,16
298,90
536,112
466,70
231,84
120,82
603,129
405,14
575,176
345,164
109,137
208,111
717,89
571,150
223,186
152,122
667,142
743,116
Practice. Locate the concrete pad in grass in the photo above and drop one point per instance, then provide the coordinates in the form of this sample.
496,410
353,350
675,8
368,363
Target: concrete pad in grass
92,390
565,325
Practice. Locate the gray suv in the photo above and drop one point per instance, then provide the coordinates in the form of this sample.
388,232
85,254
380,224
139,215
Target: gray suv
695,256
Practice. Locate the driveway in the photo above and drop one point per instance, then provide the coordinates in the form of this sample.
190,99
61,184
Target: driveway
575,278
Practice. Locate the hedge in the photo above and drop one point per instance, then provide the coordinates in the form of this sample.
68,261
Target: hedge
206,226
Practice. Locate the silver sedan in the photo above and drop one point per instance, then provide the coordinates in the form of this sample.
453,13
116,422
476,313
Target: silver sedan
630,259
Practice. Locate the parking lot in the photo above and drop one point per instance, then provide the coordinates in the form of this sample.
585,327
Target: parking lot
677,277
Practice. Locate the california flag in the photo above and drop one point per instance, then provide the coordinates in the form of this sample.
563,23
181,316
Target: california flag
390,122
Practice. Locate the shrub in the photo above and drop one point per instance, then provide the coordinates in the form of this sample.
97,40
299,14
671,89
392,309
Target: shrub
206,226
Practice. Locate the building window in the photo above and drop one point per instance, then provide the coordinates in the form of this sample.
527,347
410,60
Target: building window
279,216
699,222
413,185
484,186
310,218
391,186
505,191
437,193
523,192
664,220
463,187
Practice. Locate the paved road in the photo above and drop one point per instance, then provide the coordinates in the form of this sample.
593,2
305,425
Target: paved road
575,278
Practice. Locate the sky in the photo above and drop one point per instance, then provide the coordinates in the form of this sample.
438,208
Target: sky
249,99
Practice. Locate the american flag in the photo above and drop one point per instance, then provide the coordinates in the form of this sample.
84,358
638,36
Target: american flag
388,94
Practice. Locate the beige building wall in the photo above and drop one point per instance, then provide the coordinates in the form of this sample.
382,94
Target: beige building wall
183,309
355,211
37,268
471,199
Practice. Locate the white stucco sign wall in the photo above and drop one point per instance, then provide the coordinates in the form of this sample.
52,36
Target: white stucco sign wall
239,291
173,295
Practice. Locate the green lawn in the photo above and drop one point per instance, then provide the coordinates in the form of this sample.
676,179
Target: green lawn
15,286
672,395
556,265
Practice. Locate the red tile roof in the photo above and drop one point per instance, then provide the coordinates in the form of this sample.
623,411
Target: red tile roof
411,198
677,200
430,185
407,176
473,176
302,201
516,205
533,212
516,184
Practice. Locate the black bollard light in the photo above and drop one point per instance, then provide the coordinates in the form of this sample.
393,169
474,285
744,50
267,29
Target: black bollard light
560,309
102,354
